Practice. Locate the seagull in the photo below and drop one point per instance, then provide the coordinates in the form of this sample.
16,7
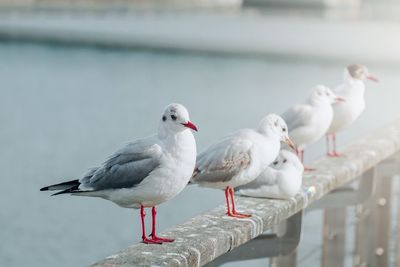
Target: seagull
282,180
240,157
346,113
309,122
146,172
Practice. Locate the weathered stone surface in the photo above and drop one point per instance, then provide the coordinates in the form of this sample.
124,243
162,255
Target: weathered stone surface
209,235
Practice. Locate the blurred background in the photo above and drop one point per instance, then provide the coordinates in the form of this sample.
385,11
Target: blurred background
79,79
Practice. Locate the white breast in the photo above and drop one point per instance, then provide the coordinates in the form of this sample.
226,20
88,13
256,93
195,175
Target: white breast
319,124
345,113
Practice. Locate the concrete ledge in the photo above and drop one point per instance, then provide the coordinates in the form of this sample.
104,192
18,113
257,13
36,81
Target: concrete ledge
209,235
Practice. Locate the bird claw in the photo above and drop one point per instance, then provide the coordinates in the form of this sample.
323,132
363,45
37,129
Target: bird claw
335,155
238,215
308,169
242,215
162,239
151,241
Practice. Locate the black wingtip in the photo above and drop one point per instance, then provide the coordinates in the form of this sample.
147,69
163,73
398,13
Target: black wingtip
61,186
67,191
58,193
63,192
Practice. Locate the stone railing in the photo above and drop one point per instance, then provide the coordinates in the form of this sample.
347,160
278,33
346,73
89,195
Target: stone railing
206,237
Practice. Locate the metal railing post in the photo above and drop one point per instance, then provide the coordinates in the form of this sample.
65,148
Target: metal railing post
334,237
373,229
283,241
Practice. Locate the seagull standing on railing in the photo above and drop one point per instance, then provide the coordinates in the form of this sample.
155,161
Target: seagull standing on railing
352,89
146,172
309,122
240,157
281,180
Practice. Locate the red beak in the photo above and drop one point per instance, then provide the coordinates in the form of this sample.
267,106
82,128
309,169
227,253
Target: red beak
372,78
341,99
190,125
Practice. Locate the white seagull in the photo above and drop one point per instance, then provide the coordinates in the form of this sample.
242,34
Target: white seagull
282,180
240,157
309,122
146,172
353,89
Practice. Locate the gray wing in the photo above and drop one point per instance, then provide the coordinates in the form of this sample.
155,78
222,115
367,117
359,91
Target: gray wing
298,116
222,161
126,168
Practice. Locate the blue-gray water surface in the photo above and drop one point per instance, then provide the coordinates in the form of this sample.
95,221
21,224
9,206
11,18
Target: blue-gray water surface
64,109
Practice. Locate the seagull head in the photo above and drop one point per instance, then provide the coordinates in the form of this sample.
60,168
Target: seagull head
360,72
175,118
287,159
322,94
274,124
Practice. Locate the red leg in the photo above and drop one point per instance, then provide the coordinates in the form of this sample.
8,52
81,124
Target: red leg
227,202
154,236
145,239
307,169
329,152
234,211
335,153
297,151
327,144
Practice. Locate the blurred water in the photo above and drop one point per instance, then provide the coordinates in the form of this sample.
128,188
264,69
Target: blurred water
63,110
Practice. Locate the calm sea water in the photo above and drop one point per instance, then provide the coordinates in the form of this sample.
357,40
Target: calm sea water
63,110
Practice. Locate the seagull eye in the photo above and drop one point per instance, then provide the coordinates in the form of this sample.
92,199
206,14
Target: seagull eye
164,118
284,129
285,160
173,117
275,163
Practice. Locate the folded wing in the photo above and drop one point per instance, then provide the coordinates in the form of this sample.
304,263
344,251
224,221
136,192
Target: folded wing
126,168
222,161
